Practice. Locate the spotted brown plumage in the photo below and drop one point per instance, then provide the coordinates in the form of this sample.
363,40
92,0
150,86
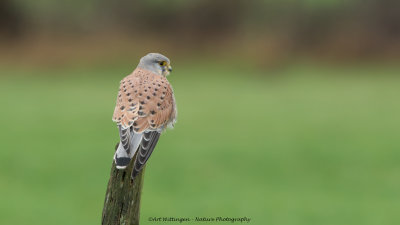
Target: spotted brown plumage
145,107
145,98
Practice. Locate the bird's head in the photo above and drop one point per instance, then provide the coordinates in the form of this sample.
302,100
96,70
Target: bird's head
156,63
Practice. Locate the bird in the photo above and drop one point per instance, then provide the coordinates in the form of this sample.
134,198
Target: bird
145,108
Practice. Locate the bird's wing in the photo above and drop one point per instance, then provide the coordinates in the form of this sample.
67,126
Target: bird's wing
127,105
145,101
149,141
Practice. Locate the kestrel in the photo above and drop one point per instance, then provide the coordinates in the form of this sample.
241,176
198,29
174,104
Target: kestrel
145,108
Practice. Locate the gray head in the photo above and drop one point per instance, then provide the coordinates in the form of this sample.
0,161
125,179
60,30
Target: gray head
156,63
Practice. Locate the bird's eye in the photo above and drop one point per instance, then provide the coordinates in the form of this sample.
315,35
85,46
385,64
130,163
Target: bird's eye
162,63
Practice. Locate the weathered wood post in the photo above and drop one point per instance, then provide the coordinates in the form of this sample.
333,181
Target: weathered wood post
122,201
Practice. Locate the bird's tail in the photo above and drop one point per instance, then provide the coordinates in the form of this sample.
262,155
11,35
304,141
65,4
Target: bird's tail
129,142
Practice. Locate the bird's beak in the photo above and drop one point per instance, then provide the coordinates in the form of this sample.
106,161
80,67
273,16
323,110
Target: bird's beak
169,68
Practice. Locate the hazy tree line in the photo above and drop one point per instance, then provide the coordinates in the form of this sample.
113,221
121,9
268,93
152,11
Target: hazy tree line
372,24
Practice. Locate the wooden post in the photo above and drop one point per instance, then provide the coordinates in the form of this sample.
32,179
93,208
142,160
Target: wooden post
122,202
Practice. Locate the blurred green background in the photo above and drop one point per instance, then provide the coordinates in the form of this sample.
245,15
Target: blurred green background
288,111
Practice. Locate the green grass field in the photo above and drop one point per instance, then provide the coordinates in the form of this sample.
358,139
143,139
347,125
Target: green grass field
304,145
